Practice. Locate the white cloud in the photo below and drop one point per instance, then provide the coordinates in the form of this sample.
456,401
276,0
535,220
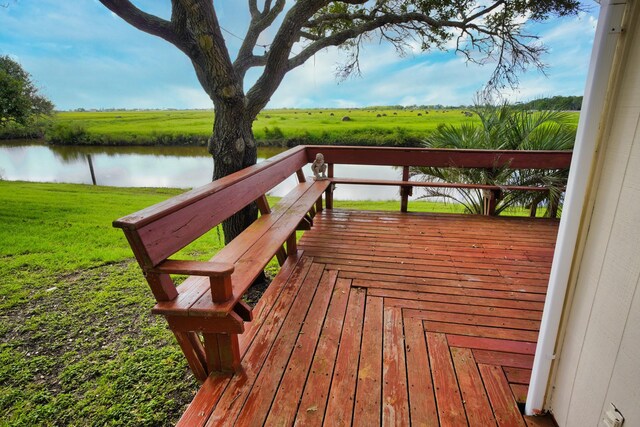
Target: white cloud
571,30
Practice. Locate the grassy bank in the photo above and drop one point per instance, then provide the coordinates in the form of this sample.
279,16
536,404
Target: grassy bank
78,345
273,127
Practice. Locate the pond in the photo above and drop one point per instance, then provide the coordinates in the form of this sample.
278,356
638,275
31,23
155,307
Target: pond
180,167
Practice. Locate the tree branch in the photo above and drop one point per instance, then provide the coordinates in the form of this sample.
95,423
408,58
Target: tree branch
276,65
259,23
141,20
253,8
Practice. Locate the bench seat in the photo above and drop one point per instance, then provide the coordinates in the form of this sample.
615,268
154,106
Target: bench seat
249,253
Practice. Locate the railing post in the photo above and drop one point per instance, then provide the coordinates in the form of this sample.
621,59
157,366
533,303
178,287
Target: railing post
491,198
329,192
553,205
405,190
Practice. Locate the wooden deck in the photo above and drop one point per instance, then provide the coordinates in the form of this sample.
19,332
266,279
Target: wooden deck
393,319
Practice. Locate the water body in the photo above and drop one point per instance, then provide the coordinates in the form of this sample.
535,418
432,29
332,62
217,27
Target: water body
179,167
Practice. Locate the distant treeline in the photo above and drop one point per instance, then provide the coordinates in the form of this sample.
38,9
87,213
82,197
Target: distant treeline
562,103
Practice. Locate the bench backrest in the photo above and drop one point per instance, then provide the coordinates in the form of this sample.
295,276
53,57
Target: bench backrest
163,229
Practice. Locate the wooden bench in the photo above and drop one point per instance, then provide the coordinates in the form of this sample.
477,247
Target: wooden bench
209,301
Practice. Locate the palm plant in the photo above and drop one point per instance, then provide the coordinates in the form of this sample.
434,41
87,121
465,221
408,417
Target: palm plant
502,128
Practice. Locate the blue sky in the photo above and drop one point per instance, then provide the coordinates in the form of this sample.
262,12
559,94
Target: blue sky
81,55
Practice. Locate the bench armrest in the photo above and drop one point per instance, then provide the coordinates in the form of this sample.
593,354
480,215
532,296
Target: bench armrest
219,274
195,268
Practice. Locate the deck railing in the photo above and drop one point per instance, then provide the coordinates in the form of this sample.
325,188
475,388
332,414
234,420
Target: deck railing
406,158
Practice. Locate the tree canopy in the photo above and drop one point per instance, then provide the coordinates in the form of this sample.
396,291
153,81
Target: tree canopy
20,101
570,103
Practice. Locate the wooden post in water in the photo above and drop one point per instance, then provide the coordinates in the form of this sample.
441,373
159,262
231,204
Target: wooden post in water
93,174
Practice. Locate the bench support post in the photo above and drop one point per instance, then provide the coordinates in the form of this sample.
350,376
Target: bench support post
265,209
221,289
223,352
292,245
194,352
162,286
263,205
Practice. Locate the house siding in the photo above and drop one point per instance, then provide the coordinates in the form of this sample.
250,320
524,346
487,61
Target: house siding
599,358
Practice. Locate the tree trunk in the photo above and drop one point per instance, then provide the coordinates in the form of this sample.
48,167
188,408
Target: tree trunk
233,148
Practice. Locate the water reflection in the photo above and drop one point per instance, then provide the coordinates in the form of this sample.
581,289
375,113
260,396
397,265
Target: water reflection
181,167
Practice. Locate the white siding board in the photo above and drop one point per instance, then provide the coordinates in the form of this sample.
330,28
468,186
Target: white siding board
603,314
624,388
599,361
593,265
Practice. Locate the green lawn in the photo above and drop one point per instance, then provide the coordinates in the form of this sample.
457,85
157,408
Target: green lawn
78,345
183,127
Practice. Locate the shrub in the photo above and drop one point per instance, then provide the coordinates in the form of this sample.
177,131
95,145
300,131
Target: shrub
64,133
273,133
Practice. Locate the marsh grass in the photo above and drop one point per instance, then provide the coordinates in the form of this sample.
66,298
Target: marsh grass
78,345
272,127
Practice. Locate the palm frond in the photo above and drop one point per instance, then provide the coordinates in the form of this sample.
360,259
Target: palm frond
502,128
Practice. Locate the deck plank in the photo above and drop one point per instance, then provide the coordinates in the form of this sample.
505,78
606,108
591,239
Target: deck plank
452,290
257,382
517,375
285,403
506,346
500,358
400,280
481,331
289,273
456,299
343,385
422,403
519,392
231,402
502,400
450,409
395,399
316,391
367,410
454,307
471,319
476,403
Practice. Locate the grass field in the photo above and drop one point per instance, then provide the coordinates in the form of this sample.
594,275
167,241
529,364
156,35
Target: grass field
315,126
